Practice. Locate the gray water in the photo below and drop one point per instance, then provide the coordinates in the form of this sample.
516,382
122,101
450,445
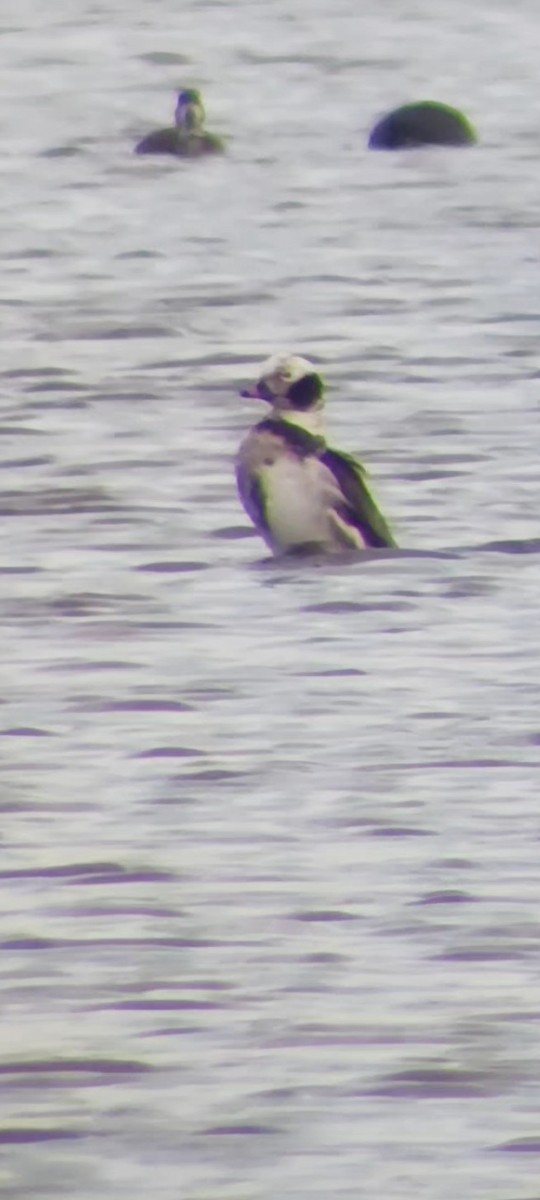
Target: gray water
269,881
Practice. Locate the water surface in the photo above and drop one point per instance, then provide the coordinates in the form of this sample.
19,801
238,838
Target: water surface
269,913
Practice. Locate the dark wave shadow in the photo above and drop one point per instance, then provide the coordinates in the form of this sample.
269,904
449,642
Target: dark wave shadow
294,561
513,546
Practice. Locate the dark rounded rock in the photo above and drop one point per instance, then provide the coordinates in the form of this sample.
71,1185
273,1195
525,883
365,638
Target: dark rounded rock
423,123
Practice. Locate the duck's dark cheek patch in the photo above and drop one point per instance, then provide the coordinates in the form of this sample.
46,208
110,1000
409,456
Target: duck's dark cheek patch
305,391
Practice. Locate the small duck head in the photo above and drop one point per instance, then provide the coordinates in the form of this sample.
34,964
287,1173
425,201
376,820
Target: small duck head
189,113
294,388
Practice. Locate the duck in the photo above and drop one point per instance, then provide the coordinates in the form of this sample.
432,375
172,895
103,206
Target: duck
187,138
301,495
424,122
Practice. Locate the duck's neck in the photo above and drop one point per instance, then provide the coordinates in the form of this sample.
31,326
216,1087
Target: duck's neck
312,420
189,118
188,131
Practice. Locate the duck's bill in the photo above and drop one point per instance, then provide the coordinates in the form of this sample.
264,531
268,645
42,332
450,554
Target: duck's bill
259,391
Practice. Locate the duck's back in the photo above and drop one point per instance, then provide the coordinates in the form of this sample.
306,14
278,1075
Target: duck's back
422,123
182,145
161,141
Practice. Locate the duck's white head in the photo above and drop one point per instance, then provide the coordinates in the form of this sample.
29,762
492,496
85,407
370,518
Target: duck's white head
294,388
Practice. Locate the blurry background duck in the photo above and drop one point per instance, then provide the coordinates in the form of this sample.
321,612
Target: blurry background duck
187,138
422,123
301,495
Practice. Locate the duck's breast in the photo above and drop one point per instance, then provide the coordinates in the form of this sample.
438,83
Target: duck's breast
290,496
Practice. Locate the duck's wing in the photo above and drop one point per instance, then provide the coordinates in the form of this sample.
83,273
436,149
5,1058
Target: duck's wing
194,145
161,141
252,495
358,507
213,144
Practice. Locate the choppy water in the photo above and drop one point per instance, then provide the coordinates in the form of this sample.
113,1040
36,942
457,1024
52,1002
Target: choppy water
270,834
